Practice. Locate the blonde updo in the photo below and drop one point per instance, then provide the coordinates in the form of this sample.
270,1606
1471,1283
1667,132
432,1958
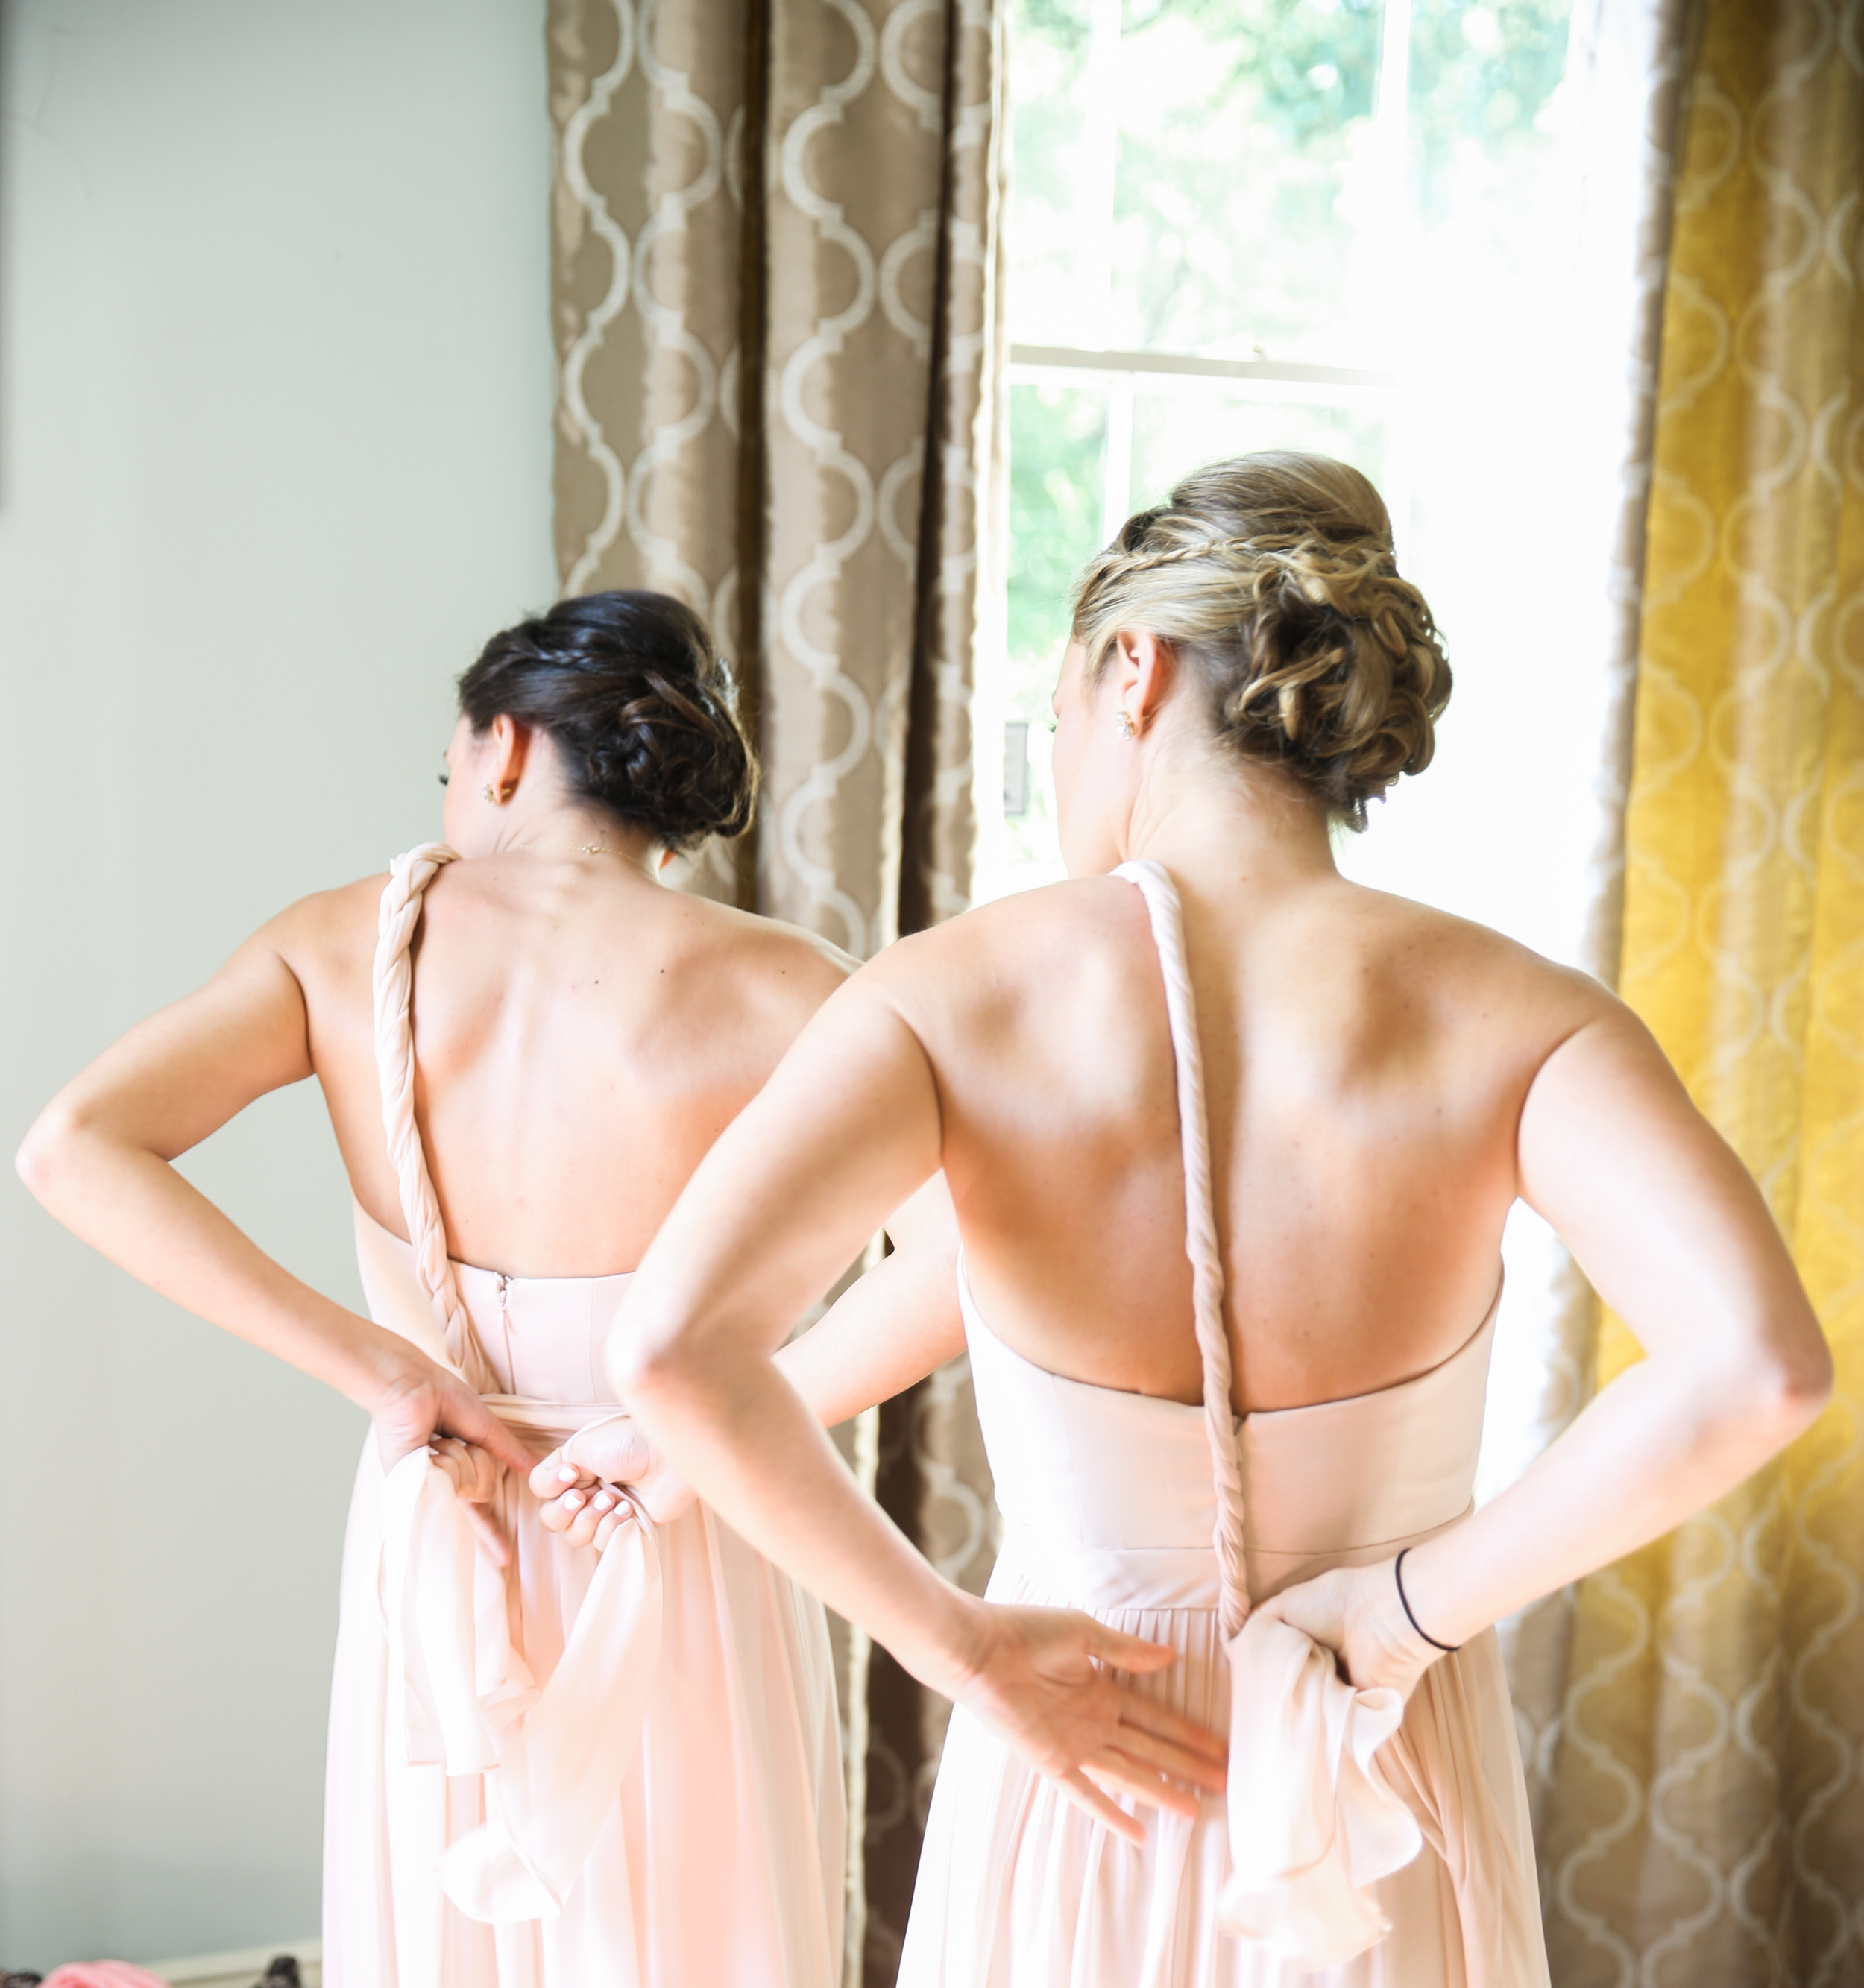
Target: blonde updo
1272,577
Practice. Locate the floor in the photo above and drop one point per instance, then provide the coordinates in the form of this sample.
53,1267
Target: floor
243,1969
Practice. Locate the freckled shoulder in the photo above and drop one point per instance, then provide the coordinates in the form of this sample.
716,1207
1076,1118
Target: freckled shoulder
1033,947
1487,1002
759,966
1467,963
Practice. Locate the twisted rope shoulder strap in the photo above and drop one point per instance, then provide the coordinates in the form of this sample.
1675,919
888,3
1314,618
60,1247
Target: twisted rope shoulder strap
1161,895
392,984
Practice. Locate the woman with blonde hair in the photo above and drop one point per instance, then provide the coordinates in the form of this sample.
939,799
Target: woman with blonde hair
1231,1142
577,1735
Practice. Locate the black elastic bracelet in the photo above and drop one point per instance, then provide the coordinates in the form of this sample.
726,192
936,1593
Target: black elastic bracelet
1398,1570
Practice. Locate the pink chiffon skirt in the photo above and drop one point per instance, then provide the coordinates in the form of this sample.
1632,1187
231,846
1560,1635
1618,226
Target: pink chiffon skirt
680,1825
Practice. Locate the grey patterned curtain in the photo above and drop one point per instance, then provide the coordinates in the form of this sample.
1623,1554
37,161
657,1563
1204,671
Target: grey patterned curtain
775,286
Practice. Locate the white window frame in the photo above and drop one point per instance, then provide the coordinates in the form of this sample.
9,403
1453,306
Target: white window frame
1122,372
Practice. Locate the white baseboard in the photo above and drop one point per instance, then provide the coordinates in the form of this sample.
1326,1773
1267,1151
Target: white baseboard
243,1969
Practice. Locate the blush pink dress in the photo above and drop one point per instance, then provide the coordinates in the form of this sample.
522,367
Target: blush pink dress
614,1769
1364,1843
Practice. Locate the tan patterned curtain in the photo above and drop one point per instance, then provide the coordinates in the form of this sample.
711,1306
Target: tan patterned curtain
1703,1817
774,287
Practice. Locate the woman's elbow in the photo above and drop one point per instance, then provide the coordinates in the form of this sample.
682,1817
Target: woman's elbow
1786,1390
47,1155
651,1361
1806,1387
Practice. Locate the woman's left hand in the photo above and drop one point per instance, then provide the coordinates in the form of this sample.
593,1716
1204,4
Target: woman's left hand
576,1482
1355,1611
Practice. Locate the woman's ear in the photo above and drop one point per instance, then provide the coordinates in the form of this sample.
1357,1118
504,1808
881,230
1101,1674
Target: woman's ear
1142,671
511,743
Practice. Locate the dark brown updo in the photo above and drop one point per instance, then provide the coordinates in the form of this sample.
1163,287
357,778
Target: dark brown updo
637,701
1273,577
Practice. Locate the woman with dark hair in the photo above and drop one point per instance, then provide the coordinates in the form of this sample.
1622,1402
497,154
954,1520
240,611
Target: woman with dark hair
578,1734
1231,1142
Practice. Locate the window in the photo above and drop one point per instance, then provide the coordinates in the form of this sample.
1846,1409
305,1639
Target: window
1323,224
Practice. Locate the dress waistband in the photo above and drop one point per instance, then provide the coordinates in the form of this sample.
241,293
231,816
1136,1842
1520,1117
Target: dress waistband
1072,1576
562,1419
1066,1574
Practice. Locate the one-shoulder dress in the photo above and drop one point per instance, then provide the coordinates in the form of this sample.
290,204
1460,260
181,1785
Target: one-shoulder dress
1362,1843
613,1769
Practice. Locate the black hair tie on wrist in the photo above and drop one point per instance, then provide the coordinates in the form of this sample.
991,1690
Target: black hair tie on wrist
1398,1570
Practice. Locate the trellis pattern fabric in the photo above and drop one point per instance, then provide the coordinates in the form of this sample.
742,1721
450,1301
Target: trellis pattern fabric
1705,1820
775,290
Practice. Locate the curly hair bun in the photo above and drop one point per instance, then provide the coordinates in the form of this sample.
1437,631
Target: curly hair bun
1273,576
639,705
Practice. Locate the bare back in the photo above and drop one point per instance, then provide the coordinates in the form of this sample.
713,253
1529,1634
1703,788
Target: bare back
1366,1061
582,1036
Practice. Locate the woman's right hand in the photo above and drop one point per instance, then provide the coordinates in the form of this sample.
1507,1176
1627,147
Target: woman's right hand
1045,1681
421,1405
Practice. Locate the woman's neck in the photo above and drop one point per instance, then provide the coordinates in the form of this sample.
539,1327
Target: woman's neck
1230,826
563,828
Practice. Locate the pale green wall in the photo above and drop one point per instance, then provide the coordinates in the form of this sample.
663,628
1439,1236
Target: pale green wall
275,402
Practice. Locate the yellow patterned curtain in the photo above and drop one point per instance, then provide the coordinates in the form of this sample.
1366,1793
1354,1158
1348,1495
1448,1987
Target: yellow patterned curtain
774,285
1704,1820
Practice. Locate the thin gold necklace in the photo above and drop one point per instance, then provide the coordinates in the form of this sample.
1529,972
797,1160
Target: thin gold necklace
562,849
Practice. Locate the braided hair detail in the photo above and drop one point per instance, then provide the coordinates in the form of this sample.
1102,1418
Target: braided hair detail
1273,577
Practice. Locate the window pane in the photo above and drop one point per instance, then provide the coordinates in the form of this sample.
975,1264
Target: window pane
1054,215
1219,177
1491,195
1058,442
1482,111
1245,130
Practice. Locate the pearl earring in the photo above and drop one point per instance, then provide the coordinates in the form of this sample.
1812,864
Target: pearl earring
1128,728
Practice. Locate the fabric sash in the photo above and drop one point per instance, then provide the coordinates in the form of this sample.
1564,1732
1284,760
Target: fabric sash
462,1699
